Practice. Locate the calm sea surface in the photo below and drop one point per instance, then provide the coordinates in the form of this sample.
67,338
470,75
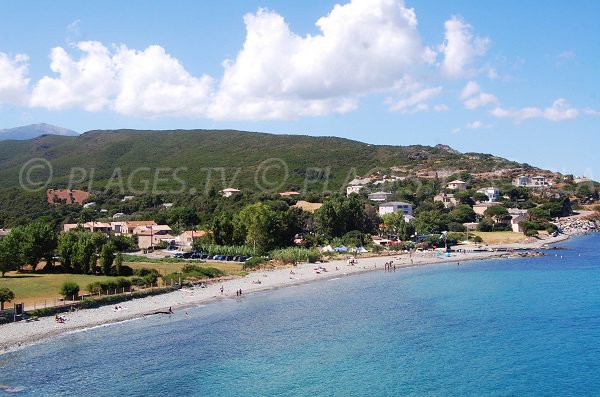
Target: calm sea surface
528,327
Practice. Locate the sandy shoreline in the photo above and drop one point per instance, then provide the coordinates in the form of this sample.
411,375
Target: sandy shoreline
17,335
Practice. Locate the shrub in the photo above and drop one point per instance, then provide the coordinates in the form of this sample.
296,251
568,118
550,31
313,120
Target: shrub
69,289
500,227
253,262
137,281
456,227
295,255
531,232
477,239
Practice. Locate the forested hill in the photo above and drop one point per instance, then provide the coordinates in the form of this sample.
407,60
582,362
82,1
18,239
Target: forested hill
239,158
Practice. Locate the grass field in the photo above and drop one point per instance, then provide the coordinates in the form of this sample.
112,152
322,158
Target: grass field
500,237
29,288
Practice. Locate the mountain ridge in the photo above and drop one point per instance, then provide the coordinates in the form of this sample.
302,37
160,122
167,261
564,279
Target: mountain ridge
241,154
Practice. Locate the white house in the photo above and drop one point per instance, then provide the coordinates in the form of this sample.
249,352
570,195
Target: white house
395,206
229,192
491,192
353,189
531,181
379,196
457,185
515,222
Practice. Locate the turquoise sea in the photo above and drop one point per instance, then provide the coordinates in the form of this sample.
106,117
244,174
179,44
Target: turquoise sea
526,327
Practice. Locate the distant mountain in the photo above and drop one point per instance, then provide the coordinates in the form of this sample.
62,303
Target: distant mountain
33,131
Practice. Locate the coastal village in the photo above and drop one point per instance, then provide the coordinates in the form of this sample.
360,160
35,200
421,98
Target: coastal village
105,250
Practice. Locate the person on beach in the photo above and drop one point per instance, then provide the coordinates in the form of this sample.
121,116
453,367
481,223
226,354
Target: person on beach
170,310
221,289
240,291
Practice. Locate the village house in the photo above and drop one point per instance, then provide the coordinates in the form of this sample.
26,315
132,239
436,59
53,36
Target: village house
457,185
447,199
491,192
379,196
89,226
289,194
187,238
148,238
530,181
229,192
353,189
395,206
481,207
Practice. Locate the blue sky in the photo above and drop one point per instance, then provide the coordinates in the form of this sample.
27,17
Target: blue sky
513,78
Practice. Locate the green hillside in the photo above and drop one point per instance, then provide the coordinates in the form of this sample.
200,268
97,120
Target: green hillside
235,158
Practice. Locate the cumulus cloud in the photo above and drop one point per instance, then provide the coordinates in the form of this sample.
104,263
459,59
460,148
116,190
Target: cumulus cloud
13,79
473,97
362,47
88,82
461,47
559,111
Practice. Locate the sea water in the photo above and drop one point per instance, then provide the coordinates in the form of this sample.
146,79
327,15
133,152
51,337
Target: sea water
513,327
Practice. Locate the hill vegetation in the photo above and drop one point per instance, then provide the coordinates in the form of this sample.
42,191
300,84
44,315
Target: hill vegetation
218,158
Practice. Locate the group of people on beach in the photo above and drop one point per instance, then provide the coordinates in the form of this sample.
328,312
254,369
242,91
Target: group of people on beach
60,319
389,266
238,292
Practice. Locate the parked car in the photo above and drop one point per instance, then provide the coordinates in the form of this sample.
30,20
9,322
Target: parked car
242,259
178,255
229,258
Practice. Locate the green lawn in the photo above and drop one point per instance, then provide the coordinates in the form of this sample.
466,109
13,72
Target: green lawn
500,237
29,288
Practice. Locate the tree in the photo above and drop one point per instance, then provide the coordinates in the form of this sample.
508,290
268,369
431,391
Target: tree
395,224
119,264
69,289
11,257
107,257
39,242
431,222
257,219
462,213
6,295
497,213
66,250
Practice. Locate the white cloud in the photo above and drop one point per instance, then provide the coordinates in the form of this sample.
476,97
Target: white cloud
591,112
461,47
481,99
471,88
441,108
456,130
416,102
474,98
152,83
559,111
362,47
13,78
88,82
476,125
